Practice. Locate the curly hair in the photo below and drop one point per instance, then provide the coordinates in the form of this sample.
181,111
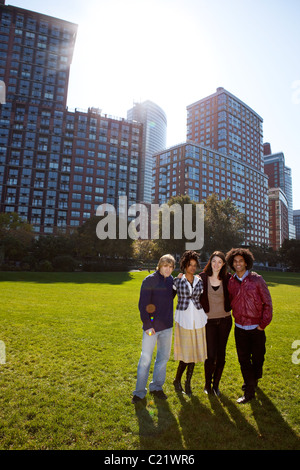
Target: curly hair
223,270
244,252
187,257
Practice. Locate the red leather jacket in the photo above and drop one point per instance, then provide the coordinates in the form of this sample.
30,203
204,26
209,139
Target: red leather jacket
250,300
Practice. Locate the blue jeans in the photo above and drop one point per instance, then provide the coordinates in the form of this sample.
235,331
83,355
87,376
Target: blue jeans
164,341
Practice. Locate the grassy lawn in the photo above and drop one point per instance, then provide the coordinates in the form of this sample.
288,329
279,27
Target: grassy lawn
73,342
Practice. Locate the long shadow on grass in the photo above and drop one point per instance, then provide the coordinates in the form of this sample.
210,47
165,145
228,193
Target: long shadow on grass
159,432
223,425
273,429
210,427
74,278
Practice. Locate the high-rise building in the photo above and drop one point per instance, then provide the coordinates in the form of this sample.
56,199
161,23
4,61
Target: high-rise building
154,121
280,176
297,223
56,165
198,171
224,123
223,155
35,56
278,218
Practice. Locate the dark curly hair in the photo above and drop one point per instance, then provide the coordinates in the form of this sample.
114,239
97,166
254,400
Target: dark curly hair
223,270
187,257
244,252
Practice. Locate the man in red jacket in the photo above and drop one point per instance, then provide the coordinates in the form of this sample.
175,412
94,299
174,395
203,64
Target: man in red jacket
251,305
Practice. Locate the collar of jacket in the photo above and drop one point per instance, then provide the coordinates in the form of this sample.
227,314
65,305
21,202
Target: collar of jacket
161,276
195,278
240,279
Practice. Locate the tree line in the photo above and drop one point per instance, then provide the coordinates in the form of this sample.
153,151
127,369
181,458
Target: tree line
81,249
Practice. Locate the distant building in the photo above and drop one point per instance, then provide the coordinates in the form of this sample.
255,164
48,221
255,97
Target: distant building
197,171
278,218
223,155
280,176
296,215
56,165
226,124
36,54
154,122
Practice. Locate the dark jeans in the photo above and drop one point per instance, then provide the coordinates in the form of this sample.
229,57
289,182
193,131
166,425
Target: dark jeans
217,332
251,349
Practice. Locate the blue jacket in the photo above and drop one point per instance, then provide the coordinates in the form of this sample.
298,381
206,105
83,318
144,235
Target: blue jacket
156,302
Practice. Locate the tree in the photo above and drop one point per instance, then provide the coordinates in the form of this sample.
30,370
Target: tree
172,244
290,254
224,225
15,236
47,247
145,250
265,254
90,246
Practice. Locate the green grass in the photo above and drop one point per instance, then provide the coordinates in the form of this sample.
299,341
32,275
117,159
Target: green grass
73,342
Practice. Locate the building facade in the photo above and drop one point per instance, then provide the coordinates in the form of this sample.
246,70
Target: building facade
56,165
194,170
224,123
35,56
296,219
280,176
154,122
223,155
278,218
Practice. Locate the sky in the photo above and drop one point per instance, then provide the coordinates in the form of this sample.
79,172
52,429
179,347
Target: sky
176,52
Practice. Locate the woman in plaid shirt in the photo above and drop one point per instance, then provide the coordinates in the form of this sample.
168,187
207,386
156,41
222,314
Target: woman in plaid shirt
190,321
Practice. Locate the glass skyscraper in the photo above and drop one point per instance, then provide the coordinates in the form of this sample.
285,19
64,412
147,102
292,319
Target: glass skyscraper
154,121
280,176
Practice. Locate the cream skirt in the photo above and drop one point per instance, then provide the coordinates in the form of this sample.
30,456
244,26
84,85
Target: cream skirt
189,345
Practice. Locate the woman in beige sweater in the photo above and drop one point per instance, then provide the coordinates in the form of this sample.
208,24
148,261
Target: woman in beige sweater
215,302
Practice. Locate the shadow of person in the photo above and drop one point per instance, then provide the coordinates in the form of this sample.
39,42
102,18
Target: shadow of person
196,421
273,429
216,424
240,434
158,429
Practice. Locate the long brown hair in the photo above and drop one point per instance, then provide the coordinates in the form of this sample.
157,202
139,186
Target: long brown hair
208,268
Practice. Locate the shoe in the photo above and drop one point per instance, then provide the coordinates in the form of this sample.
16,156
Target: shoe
207,390
243,400
216,392
159,394
135,399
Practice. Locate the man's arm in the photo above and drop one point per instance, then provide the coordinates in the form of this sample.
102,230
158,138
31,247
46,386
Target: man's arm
267,305
145,304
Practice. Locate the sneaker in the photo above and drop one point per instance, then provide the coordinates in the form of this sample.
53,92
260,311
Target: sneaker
159,394
243,400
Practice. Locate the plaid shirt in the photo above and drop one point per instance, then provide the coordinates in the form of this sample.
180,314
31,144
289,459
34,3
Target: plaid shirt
184,293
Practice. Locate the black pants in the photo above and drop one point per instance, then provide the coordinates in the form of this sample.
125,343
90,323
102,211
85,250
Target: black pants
217,332
251,349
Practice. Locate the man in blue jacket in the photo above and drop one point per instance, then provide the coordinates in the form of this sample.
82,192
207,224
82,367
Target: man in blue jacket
156,310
